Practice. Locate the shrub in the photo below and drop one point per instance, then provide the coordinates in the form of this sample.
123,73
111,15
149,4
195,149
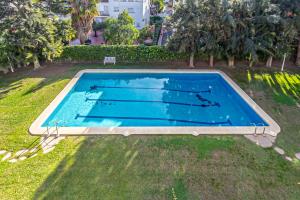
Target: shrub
157,22
156,33
155,19
121,31
123,53
145,33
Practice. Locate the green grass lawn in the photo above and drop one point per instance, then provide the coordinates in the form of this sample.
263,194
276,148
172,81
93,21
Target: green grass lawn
149,167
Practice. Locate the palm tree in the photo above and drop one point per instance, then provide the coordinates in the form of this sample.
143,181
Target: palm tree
186,22
82,14
263,28
291,11
231,30
212,13
297,20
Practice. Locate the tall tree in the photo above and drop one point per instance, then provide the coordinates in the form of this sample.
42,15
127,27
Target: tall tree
290,11
261,20
232,30
186,21
121,30
212,34
28,34
158,6
82,15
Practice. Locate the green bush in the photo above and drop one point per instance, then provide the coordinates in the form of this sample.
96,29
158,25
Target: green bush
156,33
155,19
123,53
157,22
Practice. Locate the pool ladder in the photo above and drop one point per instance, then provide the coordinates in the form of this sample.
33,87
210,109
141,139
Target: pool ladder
256,128
56,129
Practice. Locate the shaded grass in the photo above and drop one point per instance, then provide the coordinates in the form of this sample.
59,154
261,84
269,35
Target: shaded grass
278,94
285,86
146,167
114,167
179,190
201,145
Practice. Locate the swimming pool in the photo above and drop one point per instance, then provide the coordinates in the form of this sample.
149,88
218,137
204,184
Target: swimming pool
153,102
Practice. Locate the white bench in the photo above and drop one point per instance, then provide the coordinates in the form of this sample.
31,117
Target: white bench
109,60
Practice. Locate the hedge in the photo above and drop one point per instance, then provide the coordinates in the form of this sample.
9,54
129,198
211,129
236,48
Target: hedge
123,53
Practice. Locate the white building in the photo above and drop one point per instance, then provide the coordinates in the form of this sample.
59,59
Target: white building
138,9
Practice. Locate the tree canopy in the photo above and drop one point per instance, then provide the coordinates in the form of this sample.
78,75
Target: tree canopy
82,15
186,21
29,34
250,29
159,5
121,30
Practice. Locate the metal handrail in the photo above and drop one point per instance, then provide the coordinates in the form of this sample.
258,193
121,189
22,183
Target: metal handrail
256,127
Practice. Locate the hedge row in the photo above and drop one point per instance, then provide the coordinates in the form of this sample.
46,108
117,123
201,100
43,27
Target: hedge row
123,54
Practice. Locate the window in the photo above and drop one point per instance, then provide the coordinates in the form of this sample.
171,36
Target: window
116,9
130,10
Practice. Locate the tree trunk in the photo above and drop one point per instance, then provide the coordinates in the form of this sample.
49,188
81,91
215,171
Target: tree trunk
298,53
10,65
269,61
82,36
12,69
211,61
192,60
231,61
36,63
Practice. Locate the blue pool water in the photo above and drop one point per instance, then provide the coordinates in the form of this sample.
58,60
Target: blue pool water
138,99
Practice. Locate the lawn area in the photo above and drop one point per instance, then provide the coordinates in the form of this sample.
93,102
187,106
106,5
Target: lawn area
149,167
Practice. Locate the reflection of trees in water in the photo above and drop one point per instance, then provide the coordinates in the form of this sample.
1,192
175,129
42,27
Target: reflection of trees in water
176,111
187,112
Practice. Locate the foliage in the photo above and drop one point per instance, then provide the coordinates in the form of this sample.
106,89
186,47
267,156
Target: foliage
82,14
244,29
61,7
145,33
28,34
186,21
155,20
65,31
159,5
123,53
290,11
98,26
121,30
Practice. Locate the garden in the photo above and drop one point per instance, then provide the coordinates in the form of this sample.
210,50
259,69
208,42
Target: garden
251,41
147,167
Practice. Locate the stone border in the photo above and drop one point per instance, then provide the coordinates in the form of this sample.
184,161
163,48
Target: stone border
36,128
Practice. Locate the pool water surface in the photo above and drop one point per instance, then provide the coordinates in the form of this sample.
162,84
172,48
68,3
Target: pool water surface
135,99
127,101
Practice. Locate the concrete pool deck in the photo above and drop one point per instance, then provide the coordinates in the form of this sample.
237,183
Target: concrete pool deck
36,128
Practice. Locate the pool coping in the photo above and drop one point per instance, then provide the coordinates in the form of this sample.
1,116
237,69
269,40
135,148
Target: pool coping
36,128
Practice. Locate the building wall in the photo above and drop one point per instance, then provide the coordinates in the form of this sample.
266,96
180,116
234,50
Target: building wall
138,9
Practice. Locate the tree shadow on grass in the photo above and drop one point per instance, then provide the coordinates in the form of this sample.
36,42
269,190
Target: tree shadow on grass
102,168
284,85
138,167
5,89
14,81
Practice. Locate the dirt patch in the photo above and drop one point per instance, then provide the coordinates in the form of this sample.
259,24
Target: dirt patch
51,69
218,154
